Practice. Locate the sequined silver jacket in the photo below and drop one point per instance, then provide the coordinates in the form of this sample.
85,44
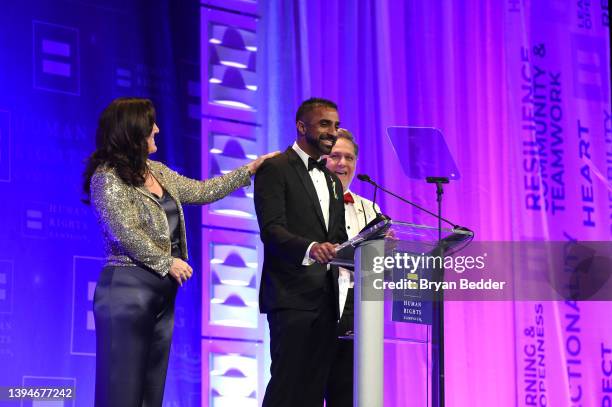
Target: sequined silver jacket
134,225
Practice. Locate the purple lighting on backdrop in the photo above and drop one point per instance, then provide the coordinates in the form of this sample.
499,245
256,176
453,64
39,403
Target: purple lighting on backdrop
510,85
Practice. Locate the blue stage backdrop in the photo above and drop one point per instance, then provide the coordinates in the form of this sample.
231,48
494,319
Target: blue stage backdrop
61,63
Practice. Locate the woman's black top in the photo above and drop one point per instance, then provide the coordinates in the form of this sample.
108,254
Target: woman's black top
172,214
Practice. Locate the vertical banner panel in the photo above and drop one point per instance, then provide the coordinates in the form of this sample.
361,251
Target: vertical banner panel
559,98
231,249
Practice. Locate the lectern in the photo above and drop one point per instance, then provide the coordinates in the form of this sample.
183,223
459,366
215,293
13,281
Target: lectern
393,240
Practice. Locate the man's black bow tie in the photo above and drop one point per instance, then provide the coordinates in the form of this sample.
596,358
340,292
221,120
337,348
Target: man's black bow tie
312,163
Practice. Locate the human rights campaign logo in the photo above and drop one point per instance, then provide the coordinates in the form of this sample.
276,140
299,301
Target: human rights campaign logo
56,58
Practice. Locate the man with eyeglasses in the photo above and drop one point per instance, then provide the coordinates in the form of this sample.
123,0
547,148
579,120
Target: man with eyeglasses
358,212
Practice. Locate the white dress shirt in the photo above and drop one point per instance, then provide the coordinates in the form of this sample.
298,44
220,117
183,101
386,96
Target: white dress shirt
318,179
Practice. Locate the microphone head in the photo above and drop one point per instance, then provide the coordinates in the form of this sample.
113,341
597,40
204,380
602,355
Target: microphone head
363,177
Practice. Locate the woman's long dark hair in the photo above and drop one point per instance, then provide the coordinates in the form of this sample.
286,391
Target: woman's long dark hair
121,141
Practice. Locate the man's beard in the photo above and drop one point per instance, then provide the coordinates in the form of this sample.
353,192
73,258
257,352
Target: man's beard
319,146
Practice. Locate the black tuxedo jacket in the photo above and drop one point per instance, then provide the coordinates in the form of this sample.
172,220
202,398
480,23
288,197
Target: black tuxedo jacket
290,218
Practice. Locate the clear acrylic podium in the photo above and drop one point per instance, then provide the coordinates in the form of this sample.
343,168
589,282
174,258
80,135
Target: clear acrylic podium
394,361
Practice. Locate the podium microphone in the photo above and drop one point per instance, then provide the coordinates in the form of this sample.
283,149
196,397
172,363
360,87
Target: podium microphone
379,216
366,178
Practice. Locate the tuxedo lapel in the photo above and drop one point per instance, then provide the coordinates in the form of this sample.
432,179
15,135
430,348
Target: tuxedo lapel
302,172
333,197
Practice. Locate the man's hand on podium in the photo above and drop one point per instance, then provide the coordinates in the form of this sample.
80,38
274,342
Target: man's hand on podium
323,252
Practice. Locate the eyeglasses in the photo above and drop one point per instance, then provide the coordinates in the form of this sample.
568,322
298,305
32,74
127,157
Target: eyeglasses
337,157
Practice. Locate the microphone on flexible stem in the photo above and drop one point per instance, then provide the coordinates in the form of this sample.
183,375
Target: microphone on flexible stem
379,216
366,178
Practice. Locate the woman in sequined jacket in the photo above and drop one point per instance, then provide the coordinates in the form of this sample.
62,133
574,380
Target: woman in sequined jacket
138,204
